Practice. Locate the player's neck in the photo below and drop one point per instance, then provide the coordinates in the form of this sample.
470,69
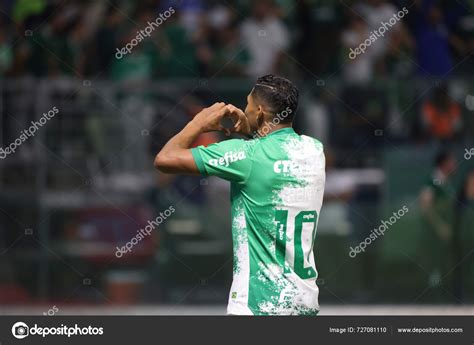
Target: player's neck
270,127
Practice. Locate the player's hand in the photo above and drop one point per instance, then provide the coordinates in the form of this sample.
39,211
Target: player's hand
241,123
209,119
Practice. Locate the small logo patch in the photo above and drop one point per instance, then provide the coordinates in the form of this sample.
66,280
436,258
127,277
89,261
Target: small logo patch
234,295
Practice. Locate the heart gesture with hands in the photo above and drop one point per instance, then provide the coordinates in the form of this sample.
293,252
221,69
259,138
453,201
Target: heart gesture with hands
210,119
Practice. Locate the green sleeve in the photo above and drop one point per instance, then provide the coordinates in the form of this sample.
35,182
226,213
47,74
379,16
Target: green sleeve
230,159
198,160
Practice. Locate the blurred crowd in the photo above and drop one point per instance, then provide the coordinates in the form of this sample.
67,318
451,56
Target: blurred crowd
425,44
237,38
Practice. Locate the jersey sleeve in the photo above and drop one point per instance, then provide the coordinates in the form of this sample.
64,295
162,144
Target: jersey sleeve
230,159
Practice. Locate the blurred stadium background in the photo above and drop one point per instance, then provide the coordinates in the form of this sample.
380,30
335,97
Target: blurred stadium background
84,184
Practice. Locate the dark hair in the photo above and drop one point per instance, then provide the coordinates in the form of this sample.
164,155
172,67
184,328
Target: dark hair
279,94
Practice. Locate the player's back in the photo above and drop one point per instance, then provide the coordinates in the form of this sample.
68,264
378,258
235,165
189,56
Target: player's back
277,185
280,201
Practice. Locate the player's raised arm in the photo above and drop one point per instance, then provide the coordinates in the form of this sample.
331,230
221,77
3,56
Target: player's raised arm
176,157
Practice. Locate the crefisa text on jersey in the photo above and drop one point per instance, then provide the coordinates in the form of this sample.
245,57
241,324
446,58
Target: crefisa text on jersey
229,157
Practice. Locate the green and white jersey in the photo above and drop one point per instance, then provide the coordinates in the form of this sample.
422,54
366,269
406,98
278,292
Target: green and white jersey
277,185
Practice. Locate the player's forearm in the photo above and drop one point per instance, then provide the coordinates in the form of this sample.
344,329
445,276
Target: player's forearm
184,139
174,156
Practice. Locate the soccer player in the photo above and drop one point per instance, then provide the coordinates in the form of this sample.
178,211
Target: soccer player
277,184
